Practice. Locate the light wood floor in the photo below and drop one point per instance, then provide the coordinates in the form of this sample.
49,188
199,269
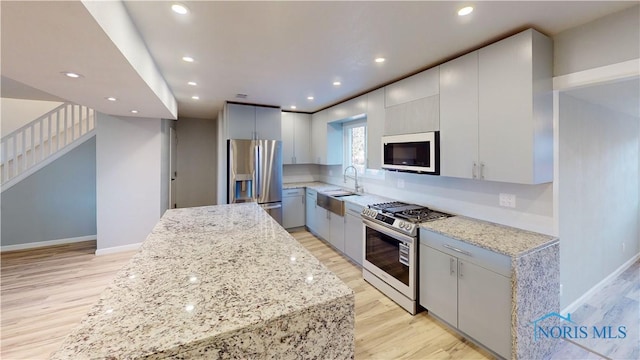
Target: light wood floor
46,292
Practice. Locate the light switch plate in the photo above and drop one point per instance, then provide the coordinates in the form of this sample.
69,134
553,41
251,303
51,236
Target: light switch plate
507,200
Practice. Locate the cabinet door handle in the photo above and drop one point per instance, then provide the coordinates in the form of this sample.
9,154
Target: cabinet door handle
474,170
460,263
482,170
452,268
457,250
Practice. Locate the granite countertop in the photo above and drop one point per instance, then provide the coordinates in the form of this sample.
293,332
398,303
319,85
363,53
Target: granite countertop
202,272
360,199
297,185
495,237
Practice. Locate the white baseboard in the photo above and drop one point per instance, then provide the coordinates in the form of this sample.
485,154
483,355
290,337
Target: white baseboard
40,244
597,287
117,249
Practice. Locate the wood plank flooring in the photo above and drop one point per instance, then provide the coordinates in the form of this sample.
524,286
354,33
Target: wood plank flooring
616,304
45,293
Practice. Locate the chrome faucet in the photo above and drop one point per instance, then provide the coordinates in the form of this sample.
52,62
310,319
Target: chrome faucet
355,178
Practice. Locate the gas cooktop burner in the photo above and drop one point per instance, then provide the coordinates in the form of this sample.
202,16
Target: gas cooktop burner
408,212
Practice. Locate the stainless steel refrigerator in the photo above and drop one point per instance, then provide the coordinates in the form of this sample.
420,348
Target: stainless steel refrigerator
255,174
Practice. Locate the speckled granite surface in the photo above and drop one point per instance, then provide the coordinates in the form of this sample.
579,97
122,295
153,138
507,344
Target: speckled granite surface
296,185
222,282
498,238
360,199
535,293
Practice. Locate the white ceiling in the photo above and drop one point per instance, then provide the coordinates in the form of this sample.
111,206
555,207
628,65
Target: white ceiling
277,53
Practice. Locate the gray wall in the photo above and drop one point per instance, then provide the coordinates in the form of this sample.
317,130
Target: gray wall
611,39
164,165
598,193
197,159
473,198
128,180
56,202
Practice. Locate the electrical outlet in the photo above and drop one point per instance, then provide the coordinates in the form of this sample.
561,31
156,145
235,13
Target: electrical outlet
330,172
400,183
507,200
560,289
624,247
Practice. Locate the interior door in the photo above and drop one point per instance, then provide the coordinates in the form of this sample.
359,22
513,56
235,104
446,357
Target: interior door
173,172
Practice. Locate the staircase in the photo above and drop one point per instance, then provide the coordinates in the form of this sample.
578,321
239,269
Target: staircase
44,140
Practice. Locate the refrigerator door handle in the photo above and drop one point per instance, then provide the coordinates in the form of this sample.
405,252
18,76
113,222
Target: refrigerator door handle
269,207
258,170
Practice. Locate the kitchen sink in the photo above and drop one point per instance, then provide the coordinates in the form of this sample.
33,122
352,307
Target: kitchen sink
339,193
330,200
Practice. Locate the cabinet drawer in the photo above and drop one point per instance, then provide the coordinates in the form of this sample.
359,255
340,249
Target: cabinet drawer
487,259
312,193
292,192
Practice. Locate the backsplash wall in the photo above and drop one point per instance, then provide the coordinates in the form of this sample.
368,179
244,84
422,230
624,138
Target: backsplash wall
300,173
473,198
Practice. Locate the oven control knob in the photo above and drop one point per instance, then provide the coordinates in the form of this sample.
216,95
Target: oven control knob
402,224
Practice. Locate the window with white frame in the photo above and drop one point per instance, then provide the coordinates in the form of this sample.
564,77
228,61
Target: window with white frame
355,144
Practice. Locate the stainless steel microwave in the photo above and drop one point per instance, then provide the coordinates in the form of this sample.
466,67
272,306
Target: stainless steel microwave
419,153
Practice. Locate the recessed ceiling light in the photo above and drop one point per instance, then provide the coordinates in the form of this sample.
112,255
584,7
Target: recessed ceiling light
309,97
465,11
337,83
71,74
195,97
111,98
293,107
179,9
188,59
192,83
380,60
134,111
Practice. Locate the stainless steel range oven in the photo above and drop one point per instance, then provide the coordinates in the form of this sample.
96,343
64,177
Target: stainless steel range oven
391,249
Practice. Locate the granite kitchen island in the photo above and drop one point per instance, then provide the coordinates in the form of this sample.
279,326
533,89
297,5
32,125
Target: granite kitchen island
220,281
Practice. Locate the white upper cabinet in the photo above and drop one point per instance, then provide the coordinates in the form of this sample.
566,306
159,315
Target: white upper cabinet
268,122
319,137
459,117
496,112
418,86
241,121
347,109
326,139
253,122
302,150
516,109
412,105
296,132
375,128
288,138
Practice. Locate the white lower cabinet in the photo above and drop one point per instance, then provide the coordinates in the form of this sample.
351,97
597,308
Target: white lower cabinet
293,208
336,231
311,208
467,287
353,232
323,223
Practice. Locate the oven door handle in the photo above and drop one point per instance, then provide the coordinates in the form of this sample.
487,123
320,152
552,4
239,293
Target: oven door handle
388,232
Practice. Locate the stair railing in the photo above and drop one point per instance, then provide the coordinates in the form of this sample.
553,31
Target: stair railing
43,137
